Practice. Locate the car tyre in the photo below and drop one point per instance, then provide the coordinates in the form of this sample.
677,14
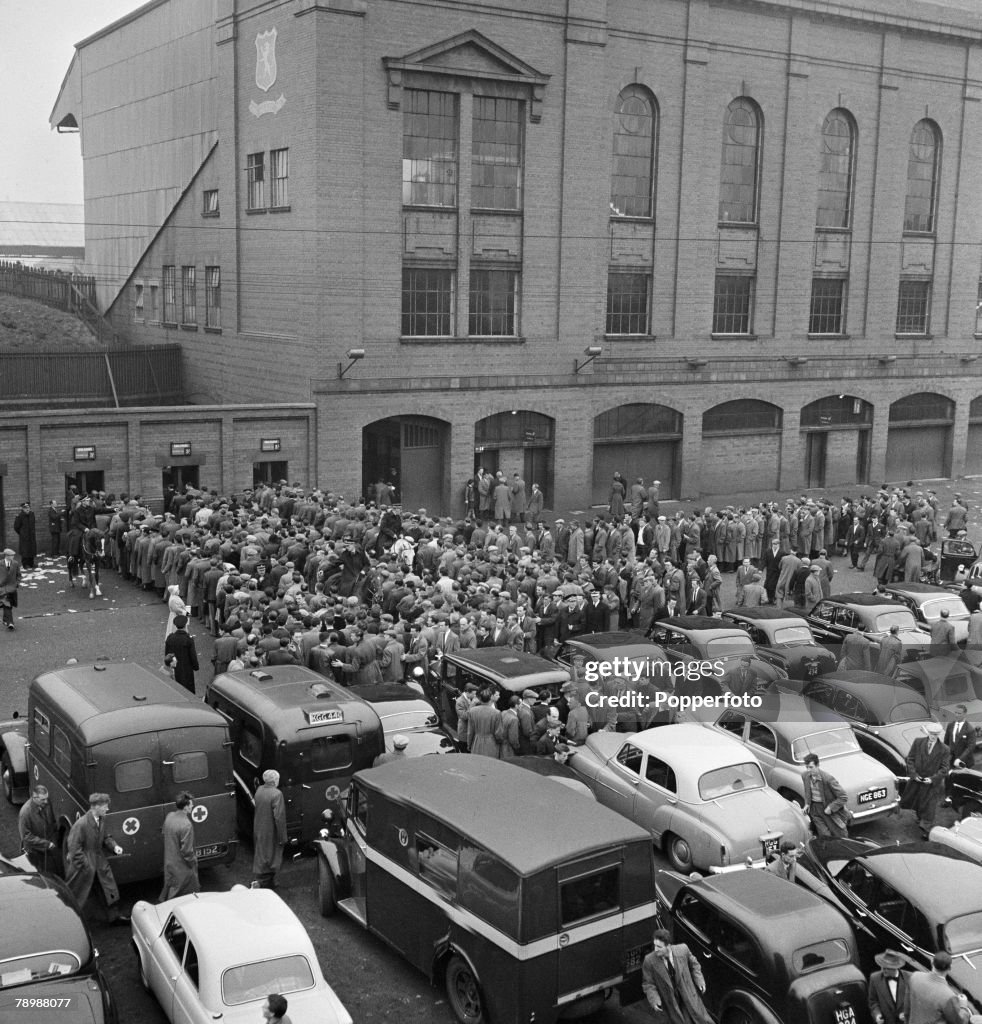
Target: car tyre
327,899
464,992
679,853
971,808
7,773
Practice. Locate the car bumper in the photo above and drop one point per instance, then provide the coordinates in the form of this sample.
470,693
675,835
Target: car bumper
727,869
868,813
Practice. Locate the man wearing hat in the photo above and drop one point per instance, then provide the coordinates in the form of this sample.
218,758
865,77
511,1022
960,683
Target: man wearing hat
398,752
891,652
25,528
927,765
180,645
9,581
888,988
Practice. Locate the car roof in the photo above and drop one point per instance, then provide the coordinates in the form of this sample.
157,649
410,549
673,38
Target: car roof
633,646
878,692
468,794
119,699
866,600
791,715
693,622
937,670
388,693
920,588
504,665
46,916
614,638
764,612
670,741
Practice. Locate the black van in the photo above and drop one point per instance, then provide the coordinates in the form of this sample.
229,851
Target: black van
126,731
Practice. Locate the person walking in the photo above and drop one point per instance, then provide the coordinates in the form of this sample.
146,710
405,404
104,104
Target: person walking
825,801
56,527
25,526
268,831
673,983
960,738
175,607
39,833
887,988
928,762
86,862
180,645
942,636
180,860
891,653
931,999
9,582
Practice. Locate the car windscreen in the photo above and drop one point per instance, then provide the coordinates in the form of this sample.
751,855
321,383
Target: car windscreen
249,982
793,635
22,970
732,778
827,953
909,712
727,646
963,933
895,617
826,744
931,610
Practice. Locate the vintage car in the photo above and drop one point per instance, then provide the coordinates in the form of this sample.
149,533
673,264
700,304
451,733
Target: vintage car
834,618
959,553
785,728
945,683
13,759
965,836
531,923
920,898
217,955
963,791
558,771
710,641
770,952
926,602
46,954
783,639
406,712
706,804
886,715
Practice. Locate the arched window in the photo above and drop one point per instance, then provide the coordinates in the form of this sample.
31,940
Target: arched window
835,170
922,176
631,184
739,171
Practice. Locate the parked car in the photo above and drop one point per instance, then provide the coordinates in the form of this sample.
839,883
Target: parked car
13,759
958,552
771,952
536,922
46,954
710,640
783,639
406,712
921,898
217,955
886,715
926,603
706,804
558,771
963,790
785,728
964,836
834,618
946,683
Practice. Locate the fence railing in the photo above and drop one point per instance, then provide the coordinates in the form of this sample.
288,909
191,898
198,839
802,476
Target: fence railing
150,375
73,293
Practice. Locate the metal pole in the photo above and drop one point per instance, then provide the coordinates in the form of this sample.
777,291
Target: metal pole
112,383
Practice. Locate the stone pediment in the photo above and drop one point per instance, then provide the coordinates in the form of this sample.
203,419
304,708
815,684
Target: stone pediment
468,55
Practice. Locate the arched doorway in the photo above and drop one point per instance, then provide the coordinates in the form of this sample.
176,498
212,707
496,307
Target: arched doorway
919,437
411,453
520,442
836,435
973,453
637,440
741,447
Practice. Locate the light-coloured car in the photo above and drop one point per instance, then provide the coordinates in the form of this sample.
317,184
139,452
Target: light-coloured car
964,836
926,603
217,955
706,804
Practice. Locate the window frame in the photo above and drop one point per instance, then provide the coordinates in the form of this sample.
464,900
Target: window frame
723,319
904,319
477,318
640,94
169,280
153,289
213,297
255,182
912,219
633,318
815,318
827,175
279,179
209,202
478,100
189,296
731,145
449,200
409,316
139,298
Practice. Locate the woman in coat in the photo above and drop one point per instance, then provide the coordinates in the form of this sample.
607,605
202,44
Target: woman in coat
175,607
617,493
484,727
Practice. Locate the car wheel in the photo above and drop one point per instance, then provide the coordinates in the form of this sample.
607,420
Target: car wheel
464,992
679,853
970,809
326,896
7,774
141,970
793,797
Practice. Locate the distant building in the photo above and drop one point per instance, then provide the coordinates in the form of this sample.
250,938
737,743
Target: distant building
731,245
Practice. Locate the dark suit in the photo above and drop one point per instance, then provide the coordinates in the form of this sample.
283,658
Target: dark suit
963,747
882,1006
9,581
181,645
923,797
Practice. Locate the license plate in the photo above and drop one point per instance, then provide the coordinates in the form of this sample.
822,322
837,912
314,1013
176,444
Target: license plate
844,1015
634,957
811,668
872,795
771,842
210,851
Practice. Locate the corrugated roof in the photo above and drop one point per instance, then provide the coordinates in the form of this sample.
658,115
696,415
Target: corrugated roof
33,228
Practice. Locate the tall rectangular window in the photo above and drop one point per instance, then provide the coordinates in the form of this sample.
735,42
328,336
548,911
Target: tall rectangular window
827,306
496,154
493,300
427,302
627,303
255,181
913,307
978,310
429,148
153,304
189,299
209,202
138,313
213,297
733,304
279,173
170,294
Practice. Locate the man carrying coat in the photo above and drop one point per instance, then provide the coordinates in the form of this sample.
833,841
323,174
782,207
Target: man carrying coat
268,831
673,983
85,859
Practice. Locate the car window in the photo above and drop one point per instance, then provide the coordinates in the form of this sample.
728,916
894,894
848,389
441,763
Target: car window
436,864
133,775
732,722
894,908
793,634
358,808
762,736
821,692
963,933
825,744
820,954
249,982
696,915
175,937
191,964
62,751
191,766
847,618
738,946
251,743
858,881
630,757
660,774
724,646
825,611
589,895
489,888
897,617
732,778
850,706
909,712
41,732
328,753
34,967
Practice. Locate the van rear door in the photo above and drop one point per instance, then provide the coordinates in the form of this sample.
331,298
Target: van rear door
199,759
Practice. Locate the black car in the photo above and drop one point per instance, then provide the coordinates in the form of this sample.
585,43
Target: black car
770,951
783,639
871,615
886,715
920,898
46,952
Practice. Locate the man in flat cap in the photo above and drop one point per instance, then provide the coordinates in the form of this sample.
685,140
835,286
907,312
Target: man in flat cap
9,582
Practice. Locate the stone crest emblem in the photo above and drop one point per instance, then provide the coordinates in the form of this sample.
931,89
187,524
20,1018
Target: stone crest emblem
266,59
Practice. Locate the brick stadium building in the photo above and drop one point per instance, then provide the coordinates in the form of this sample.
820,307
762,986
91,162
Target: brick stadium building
731,244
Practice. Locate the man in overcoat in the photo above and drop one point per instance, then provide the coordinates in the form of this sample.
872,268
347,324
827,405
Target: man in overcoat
86,862
673,983
180,860
181,645
268,831
927,765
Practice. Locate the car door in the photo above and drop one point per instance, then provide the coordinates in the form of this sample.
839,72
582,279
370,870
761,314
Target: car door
822,623
762,740
696,924
655,795
900,924
170,984
620,782
855,890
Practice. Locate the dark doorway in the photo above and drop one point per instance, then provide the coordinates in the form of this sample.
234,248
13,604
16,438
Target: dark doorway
408,452
520,441
816,444
178,477
85,481
269,473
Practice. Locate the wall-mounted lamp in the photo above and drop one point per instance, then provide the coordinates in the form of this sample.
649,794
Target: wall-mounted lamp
797,360
697,364
968,358
885,360
354,354
593,351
